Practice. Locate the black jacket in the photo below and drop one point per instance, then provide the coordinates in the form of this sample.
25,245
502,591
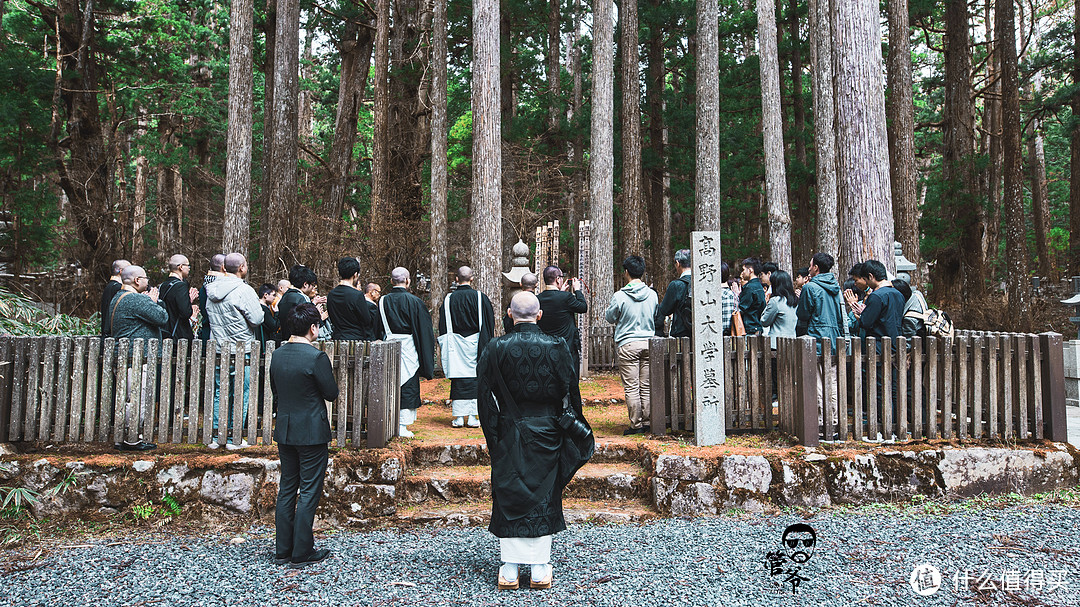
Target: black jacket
560,314
173,295
292,298
349,313
752,304
111,289
676,302
301,379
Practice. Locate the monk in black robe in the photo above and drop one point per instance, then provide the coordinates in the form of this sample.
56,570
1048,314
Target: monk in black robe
405,319
526,380
561,302
471,327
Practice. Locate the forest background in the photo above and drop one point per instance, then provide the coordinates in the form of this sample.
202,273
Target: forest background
115,137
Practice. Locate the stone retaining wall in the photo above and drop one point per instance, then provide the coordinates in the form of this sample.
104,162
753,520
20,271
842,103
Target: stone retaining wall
687,486
366,486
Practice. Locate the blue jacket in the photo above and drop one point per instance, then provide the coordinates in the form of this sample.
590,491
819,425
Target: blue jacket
821,309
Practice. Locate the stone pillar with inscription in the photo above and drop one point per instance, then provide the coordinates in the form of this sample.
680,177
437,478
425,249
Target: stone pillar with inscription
707,339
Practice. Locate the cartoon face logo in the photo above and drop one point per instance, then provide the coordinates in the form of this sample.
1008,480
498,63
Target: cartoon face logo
799,540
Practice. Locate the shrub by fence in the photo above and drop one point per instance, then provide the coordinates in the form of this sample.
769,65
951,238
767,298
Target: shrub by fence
84,389
974,385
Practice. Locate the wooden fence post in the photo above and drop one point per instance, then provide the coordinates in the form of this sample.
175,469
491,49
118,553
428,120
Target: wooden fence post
7,371
806,409
1053,376
377,405
658,394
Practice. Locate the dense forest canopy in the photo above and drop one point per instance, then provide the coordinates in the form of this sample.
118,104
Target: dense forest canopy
124,130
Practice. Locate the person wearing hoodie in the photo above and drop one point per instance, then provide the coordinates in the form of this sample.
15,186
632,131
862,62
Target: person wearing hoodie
234,311
820,313
752,297
633,311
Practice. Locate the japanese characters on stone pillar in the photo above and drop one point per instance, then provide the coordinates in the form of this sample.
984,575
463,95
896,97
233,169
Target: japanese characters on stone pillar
707,339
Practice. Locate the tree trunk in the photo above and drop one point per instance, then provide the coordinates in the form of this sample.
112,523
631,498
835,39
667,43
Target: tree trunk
989,215
803,238
381,209
772,128
237,221
487,150
633,217
438,161
142,188
900,107
356,45
82,160
1074,147
553,65
283,132
506,76
601,163
965,260
866,221
707,121
408,137
660,260
1040,206
1016,267
577,141
828,226
270,26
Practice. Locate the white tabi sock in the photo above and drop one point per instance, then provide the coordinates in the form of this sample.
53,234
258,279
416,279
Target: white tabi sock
509,571
541,572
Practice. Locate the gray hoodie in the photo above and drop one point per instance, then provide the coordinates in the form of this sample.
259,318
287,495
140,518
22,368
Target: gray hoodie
632,310
233,309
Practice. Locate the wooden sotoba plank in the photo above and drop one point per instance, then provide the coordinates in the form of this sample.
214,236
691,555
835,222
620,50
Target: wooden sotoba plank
902,399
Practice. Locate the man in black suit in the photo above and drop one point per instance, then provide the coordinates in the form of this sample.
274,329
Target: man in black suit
372,291
111,289
301,379
561,301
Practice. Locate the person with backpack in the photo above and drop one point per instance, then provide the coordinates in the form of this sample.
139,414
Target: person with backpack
178,298
677,302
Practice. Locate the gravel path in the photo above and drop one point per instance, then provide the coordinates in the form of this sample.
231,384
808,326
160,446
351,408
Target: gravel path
860,559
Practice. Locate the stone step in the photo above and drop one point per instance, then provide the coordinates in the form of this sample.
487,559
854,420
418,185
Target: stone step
478,514
464,484
608,450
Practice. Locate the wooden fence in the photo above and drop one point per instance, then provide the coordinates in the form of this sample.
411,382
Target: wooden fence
85,390
975,385
602,352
